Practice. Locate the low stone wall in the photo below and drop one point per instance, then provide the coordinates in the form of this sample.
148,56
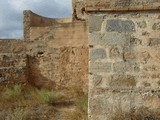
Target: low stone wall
13,61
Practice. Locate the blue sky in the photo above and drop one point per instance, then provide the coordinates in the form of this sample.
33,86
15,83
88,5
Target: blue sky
11,13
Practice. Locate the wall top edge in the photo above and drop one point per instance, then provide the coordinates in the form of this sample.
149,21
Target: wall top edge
121,5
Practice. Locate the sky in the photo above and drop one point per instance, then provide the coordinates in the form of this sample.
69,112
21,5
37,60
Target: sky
11,14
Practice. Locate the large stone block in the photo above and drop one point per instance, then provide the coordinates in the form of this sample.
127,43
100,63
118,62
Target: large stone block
115,39
95,23
100,81
97,53
122,81
123,67
110,39
99,67
120,26
95,38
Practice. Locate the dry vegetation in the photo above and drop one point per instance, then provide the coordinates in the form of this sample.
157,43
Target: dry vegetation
24,102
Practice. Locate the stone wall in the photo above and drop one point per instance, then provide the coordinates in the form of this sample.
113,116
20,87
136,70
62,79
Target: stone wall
57,52
53,54
124,68
78,10
121,5
124,80
13,62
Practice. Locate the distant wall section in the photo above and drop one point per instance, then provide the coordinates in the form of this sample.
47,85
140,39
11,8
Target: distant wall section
57,52
13,62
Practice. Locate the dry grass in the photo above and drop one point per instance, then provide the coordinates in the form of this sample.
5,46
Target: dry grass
28,96
80,112
12,93
45,96
18,101
17,114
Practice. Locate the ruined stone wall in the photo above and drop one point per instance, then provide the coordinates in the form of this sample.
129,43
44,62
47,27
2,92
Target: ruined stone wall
57,52
78,10
54,54
124,79
13,62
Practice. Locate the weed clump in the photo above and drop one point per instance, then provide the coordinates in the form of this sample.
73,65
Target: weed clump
48,97
12,93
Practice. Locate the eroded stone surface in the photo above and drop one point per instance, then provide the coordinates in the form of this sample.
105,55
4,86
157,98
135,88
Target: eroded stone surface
108,5
97,53
131,42
120,26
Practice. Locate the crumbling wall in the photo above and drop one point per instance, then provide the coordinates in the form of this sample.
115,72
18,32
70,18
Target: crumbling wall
124,61
78,10
57,52
13,62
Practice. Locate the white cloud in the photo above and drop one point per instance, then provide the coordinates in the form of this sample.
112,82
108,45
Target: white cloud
11,13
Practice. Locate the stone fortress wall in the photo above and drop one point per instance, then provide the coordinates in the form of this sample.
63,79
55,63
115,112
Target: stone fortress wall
124,40
113,44
53,54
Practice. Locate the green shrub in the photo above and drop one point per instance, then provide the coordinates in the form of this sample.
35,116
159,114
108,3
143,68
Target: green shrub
48,97
17,90
12,93
8,94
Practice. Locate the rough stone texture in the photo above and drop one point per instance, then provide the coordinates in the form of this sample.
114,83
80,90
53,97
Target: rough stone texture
99,67
123,58
78,10
125,84
109,39
156,26
53,54
57,53
13,62
95,23
97,53
120,26
123,5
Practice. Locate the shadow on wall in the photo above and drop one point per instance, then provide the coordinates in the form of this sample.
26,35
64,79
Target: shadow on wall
35,76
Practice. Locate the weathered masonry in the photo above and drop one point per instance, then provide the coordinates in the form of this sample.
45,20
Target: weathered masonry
115,44
53,54
124,67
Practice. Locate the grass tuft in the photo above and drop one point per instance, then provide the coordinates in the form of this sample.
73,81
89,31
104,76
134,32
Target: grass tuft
11,93
48,97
